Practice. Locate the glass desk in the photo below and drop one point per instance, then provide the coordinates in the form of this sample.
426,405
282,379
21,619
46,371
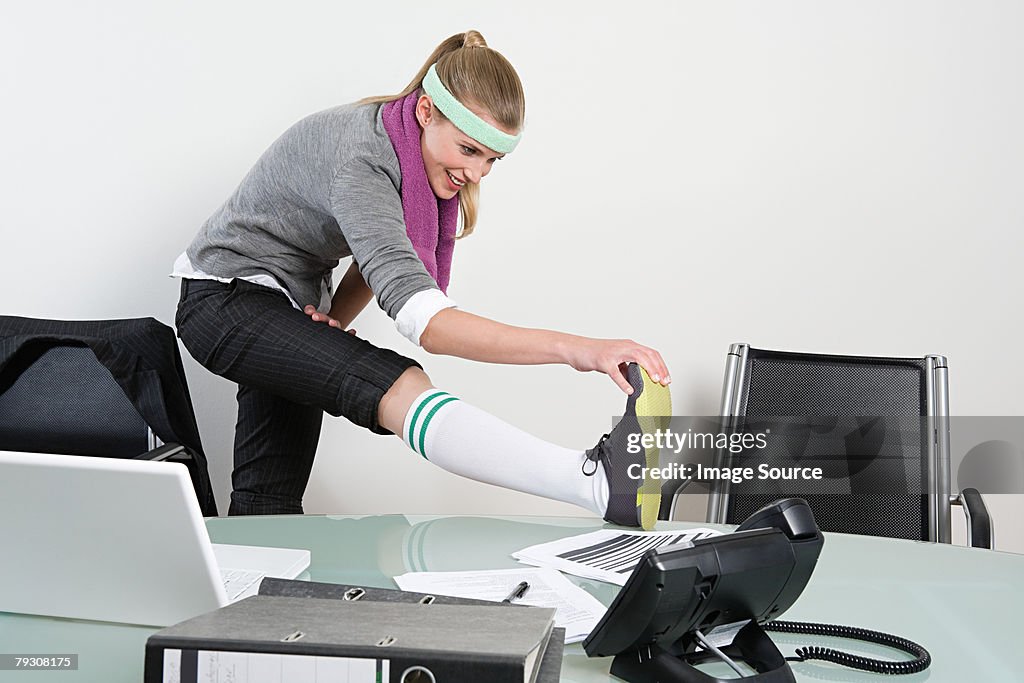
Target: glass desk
962,604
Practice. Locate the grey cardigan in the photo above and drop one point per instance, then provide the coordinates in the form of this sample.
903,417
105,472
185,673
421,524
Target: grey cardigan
328,188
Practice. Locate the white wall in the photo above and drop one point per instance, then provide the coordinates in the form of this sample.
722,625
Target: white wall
833,177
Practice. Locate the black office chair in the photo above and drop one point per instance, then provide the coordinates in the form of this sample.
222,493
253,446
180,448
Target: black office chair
866,421
106,388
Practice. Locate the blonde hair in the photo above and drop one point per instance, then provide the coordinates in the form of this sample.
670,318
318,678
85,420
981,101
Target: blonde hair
475,75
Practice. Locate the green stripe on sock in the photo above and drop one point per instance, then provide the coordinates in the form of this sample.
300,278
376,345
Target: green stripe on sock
419,409
426,422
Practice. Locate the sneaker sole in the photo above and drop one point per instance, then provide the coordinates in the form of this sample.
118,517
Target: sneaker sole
653,412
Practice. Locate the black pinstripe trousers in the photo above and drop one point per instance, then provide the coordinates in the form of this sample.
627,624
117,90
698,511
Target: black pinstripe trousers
289,371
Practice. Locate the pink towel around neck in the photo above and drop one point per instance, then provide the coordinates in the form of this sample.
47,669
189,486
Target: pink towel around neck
430,222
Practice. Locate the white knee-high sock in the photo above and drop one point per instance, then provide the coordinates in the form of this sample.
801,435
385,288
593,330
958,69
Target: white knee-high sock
472,443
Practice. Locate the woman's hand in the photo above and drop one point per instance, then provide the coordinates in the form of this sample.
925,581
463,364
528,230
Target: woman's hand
610,356
319,317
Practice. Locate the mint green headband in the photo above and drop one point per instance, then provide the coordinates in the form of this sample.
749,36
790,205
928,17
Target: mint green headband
465,120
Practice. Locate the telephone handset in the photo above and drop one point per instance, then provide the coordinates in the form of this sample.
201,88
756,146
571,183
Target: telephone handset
681,598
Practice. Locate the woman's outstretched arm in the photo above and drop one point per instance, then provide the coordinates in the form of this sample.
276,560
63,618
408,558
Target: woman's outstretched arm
453,332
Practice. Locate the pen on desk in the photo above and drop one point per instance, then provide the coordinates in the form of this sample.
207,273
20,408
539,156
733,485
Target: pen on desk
517,592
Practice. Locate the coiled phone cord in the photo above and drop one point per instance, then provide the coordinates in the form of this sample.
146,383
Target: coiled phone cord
921,662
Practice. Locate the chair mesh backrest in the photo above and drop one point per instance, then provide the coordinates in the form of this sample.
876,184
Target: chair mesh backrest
880,496
63,400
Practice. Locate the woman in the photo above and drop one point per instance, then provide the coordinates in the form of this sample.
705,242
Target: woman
384,180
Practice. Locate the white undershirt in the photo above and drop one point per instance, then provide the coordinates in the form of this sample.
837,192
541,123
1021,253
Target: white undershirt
411,320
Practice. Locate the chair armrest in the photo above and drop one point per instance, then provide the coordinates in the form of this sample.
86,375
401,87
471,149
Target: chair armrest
979,522
669,490
176,452
165,452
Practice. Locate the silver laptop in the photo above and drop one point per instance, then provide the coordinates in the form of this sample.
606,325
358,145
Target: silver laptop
118,540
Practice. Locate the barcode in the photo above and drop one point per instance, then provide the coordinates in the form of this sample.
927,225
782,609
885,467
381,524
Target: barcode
621,553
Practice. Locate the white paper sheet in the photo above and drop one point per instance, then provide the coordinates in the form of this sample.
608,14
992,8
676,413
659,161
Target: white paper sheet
577,611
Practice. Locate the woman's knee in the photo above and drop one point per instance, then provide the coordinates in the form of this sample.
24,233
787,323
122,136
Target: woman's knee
410,384
396,401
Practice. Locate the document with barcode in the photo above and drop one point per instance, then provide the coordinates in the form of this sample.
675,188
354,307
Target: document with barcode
606,555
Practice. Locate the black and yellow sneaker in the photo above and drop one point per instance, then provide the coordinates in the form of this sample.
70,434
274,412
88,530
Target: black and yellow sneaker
634,500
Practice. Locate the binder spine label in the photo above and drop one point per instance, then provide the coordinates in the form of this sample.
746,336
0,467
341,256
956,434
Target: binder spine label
210,666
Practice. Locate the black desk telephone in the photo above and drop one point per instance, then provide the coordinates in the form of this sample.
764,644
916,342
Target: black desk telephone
680,598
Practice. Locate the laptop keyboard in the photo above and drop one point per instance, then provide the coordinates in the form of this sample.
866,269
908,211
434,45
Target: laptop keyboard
237,581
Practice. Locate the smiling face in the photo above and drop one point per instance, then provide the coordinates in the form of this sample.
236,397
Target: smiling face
450,157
